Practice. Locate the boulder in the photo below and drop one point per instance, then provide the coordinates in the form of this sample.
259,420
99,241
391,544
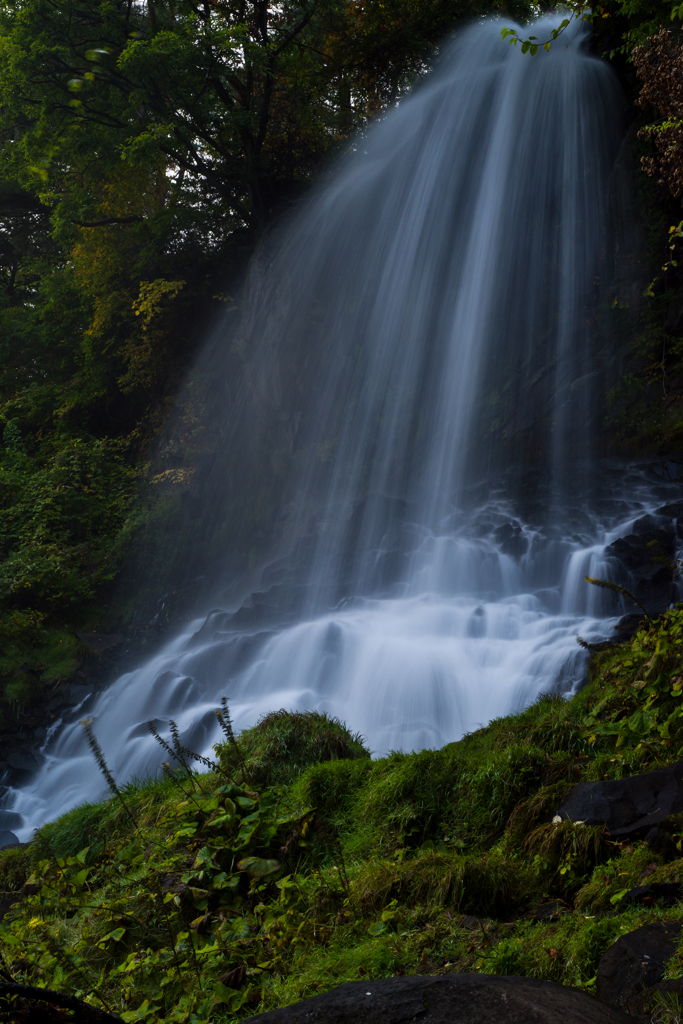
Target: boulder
23,760
10,820
674,511
658,893
100,642
630,971
647,556
627,805
7,838
511,540
447,999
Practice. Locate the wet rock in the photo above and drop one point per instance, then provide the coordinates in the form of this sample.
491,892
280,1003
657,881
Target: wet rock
668,470
674,510
628,625
278,604
447,999
627,805
377,525
660,842
77,693
662,893
99,642
551,911
647,524
142,729
511,540
647,558
631,970
22,759
7,838
10,820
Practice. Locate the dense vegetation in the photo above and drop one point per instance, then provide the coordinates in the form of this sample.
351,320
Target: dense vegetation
296,862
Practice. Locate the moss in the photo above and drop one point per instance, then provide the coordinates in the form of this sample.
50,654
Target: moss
283,744
672,872
405,800
486,886
92,824
535,810
567,951
15,867
609,881
331,787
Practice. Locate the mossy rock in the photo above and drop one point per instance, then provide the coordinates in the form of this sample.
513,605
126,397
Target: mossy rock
283,744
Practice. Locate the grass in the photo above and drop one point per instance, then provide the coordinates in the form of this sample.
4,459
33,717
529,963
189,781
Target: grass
318,865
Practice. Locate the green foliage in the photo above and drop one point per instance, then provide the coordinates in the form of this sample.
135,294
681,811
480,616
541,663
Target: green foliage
487,886
570,850
149,916
61,522
198,895
609,883
567,952
641,706
14,870
283,744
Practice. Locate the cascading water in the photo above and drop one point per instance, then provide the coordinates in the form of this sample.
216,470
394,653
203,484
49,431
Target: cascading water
439,298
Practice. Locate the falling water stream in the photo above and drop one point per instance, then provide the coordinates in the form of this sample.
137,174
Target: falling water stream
443,502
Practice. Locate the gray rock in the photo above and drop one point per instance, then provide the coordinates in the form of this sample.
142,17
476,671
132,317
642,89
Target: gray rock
447,999
674,510
99,642
631,970
77,693
662,893
10,820
7,838
23,760
627,805
647,555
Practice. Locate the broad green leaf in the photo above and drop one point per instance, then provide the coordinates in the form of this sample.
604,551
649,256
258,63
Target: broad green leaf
258,867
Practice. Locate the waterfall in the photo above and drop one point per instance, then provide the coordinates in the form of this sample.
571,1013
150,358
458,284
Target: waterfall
430,323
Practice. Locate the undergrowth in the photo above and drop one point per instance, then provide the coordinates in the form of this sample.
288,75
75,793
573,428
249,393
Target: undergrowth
296,862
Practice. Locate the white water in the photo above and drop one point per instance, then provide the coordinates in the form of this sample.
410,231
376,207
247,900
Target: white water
445,286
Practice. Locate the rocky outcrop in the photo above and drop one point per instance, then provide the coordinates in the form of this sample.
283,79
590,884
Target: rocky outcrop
630,805
646,556
657,894
631,970
447,999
